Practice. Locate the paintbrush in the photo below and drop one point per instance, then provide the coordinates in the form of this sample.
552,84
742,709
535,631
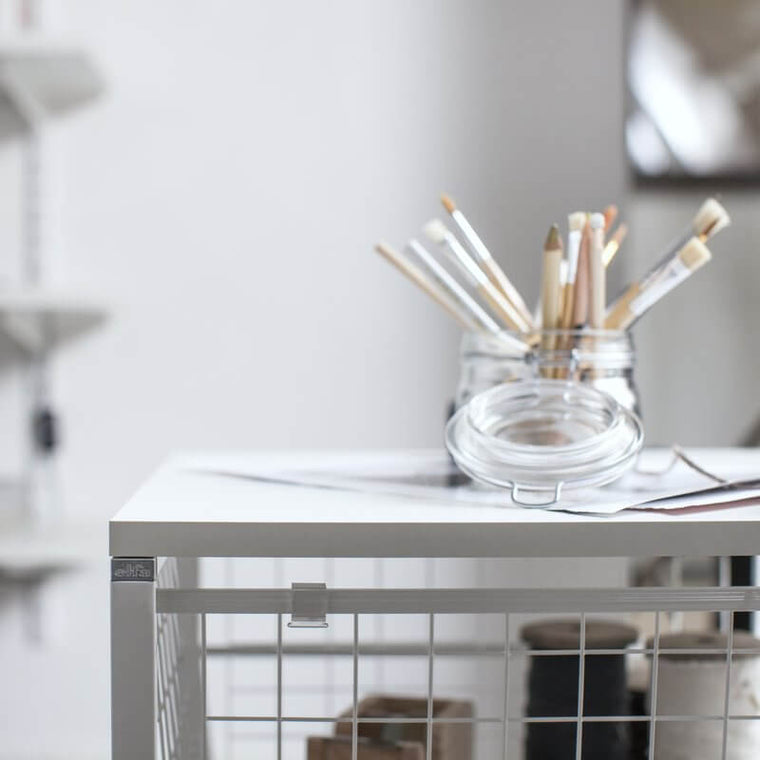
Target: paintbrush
505,311
575,223
426,284
486,261
581,290
672,273
614,243
466,305
710,219
610,214
597,284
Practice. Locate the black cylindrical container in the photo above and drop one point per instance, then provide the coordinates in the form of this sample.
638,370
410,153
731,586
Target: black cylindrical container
553,690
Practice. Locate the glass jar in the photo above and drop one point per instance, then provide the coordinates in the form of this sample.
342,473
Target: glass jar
603,359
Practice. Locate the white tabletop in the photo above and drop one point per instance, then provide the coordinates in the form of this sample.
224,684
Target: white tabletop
193,506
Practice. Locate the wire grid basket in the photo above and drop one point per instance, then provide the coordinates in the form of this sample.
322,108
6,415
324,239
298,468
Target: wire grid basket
237,681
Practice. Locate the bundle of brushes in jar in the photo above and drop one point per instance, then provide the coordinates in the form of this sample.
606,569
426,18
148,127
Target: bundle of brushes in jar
466,281
568,416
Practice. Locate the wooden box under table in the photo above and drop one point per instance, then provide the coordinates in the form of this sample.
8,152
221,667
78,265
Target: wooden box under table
339,748
451,741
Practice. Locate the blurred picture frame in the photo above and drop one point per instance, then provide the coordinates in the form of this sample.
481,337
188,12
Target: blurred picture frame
692,70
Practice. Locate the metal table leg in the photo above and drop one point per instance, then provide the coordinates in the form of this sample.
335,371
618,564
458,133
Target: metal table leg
133,654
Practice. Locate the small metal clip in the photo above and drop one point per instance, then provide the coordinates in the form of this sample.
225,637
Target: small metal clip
309,606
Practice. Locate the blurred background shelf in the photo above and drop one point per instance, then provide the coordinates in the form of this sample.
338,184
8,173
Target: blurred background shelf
30,552
42,78
37,319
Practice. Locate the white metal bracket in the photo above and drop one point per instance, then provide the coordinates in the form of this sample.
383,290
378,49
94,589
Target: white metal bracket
309,606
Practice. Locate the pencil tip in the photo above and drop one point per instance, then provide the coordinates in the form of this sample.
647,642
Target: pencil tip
553,240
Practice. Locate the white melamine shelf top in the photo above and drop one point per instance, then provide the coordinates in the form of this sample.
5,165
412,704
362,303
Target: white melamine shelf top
44,77
34,317
189,509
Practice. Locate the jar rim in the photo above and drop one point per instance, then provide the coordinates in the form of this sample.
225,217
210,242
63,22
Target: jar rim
607,348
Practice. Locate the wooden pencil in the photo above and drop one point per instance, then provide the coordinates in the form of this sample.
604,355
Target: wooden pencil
550,282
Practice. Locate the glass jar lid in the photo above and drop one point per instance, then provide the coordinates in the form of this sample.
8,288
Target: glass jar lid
537,437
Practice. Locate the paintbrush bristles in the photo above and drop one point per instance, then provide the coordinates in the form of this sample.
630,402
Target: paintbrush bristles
610,214
576,221
710,219
436,230
448,203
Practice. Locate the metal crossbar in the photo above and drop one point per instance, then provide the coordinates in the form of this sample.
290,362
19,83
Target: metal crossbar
462,601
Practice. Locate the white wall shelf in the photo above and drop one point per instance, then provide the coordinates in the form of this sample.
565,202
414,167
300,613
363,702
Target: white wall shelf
27,551
42,78
38,319
31,551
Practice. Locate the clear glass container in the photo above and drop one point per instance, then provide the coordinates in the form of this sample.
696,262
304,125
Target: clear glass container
563,414
602,359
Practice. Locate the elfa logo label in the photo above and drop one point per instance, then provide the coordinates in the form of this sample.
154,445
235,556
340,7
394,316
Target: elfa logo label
132,570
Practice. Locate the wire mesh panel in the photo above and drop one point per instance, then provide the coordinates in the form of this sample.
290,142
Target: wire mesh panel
180,677
433,674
